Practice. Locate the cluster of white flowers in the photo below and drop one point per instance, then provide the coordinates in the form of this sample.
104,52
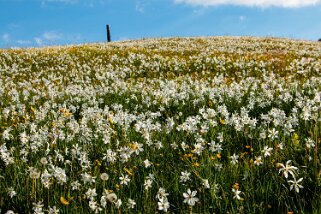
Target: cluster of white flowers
163,204
287,170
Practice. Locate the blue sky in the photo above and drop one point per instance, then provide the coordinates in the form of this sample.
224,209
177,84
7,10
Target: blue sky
25,23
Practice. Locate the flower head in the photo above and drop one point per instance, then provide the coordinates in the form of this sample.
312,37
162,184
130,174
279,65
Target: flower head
258,160
237,193
124,179
185,176
234,159
104,176
131,203
267,151
161,193
295,184
163,204
189,197
287,169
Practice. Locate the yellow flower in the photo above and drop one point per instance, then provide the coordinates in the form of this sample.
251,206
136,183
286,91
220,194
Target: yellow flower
133,146
236,185
64,201
196,164
188,155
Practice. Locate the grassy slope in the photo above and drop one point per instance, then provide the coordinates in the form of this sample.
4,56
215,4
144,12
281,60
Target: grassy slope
195,73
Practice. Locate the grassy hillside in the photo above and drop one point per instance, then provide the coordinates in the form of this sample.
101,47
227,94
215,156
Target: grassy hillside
178,125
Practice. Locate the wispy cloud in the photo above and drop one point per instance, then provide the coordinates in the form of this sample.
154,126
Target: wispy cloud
24,42
242,18
45,3
252,3
139,7
55,37
52,36
38,41
45,39
49,38
87,3
199,11
59,1
5,38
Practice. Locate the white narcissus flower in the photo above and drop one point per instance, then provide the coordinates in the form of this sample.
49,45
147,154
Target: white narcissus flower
185,176
124,179
131,203
273,134
161,193
237,194
148,184
287,169
189,197
295,184
147,163
91,193
258,161
11,192
88,178
267,151
163,204
94,206
234,159
309,143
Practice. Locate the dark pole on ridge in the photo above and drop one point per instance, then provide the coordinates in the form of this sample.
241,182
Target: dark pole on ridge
108,33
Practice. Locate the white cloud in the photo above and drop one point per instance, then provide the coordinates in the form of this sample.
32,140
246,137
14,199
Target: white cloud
44,3
199,12
59,1
87,3
38,41
6,37
55,38
52,36
49,38
139,7
242,18
24,42
251,3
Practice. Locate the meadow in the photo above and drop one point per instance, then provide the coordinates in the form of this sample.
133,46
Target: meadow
176,125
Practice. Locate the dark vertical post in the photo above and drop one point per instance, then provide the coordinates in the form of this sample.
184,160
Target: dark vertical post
108,33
